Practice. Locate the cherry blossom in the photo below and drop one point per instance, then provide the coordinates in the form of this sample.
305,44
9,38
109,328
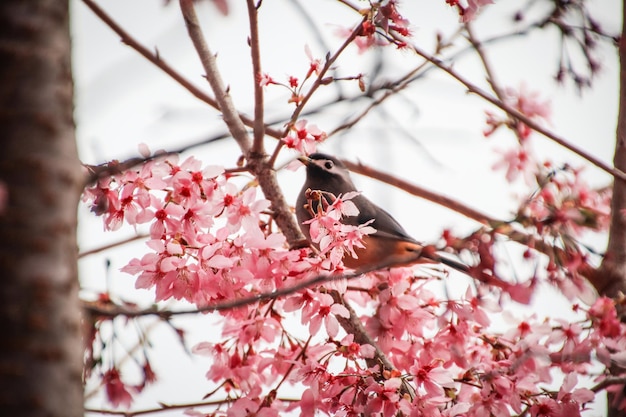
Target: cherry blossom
468,9
304,137
117,392
422,352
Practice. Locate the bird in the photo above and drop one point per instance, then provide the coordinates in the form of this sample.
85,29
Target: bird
390,245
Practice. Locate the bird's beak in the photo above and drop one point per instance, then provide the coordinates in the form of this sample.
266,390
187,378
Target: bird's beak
304,159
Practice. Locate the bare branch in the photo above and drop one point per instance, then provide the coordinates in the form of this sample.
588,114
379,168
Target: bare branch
255,51
491,75
209,62
111,246
398,86
164,66
169,407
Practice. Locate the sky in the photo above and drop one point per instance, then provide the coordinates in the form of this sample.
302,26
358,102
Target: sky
430,134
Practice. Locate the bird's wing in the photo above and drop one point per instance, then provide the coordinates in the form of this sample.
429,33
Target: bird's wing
384,223
387,227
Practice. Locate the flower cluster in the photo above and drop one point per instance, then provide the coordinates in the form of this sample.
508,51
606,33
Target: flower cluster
294,85
566,204
561,208
304,137
328,233
468,9
519,160
210,241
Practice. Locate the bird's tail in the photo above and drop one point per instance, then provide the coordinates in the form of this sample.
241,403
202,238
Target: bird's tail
454,264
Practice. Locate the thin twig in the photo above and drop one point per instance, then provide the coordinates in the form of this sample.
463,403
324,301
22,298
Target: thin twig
279,146
320,80
398,86
314,27
169,407
156,59
478,47
491,78
231,116
111,245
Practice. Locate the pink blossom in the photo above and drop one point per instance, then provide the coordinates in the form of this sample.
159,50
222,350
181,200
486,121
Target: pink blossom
386,398
473,6
324,312
246,407
304,137
432,377
315,63
332,236
604,316
516,162
213,241
117,392
354,350
265,79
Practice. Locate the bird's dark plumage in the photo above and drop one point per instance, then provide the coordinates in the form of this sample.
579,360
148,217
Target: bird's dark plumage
390,244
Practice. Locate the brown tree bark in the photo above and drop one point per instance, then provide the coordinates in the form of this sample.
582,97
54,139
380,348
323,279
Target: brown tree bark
610,278
40,341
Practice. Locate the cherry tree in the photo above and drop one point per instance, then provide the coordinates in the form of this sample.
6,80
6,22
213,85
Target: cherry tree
295,332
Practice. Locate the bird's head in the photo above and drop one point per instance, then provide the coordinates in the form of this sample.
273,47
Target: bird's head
327,173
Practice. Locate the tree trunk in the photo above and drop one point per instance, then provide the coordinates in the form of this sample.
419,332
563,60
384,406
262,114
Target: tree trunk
610,278
40,183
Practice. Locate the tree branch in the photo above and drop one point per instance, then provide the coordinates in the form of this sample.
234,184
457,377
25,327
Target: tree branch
156,59
320,80
257,163
127,39
607,382
114,311
353,325
478,47
169,407
231,117
111,245
255,51
418,191
612,276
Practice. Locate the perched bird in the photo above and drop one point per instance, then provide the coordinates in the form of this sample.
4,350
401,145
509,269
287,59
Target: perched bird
390,245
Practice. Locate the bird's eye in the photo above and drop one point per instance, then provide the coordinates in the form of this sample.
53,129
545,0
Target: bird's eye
329,164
